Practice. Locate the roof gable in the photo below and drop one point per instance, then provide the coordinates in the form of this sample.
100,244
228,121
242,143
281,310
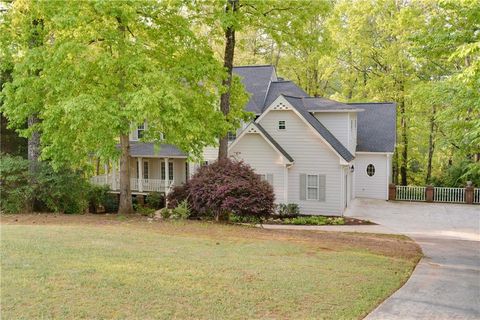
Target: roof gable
254,127
295,104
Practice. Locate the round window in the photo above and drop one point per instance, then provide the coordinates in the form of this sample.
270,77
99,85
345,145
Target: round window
370,170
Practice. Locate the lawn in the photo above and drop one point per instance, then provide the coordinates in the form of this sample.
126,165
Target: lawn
71,267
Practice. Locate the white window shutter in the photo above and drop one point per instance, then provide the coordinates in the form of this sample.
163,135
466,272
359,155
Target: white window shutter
270,178
303,186
322,187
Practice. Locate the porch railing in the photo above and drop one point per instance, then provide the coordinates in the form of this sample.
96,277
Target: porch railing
140,185
469,194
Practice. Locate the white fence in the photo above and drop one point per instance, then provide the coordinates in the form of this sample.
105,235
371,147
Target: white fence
476,195
410,193
436,194
443,194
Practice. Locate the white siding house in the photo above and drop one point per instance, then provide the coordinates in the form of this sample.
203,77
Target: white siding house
315,152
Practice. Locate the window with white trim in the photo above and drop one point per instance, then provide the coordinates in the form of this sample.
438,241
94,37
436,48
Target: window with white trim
170,170
370,170
140,130
145,169
312,187
267,177
282,125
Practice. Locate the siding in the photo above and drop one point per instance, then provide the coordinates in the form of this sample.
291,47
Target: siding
375,187
254,150
311,156
338,123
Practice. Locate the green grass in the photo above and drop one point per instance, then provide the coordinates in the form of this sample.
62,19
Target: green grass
184,272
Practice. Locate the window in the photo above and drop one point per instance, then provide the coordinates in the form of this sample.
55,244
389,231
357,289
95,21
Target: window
140,130
145,169
282,125
267,177
231,136
370,170
312,187
170,170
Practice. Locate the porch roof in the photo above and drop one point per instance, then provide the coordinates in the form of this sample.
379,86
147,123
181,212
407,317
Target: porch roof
138,149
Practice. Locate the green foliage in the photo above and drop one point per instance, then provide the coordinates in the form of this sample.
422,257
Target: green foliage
145,211
15,191
155,200
166,213
108,70
244,219
97,196
290,209
182,211
315,220
62,190
111,203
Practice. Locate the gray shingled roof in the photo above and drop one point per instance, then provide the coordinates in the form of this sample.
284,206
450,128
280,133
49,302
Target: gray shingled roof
321,129
256,80
275,143
282,87
316,104
148,149
376,127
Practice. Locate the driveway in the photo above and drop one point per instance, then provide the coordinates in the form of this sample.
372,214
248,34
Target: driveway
446,282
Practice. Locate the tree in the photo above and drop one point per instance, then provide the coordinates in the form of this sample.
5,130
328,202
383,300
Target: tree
110,66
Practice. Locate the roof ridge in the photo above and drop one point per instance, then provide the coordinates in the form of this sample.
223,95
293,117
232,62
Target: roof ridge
387,102
255,66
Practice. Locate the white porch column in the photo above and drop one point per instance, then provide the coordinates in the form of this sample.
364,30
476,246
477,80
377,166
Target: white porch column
285,184
114,174
105,168
140,174
167,175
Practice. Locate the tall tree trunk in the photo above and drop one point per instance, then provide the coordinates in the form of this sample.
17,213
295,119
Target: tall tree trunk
33,151
232,5
125,205
431,146
404,158
396,165
33,144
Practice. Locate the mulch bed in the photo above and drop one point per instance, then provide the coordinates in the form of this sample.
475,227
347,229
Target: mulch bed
348,222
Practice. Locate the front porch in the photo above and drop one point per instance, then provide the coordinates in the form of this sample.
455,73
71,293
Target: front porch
147,174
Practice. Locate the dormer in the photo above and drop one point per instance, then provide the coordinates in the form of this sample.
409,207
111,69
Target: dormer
138,131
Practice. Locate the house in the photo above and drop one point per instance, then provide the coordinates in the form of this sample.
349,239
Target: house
315,152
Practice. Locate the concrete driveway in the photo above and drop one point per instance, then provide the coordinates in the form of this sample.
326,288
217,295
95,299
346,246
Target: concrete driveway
446,283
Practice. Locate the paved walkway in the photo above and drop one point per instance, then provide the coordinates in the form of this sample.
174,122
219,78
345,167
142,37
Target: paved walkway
446,282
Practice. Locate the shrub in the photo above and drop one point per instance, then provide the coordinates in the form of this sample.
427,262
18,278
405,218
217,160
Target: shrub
97,196
15,192
145,211
315,220
111,203
177,195
181,211
229,186
155,200
291,209
63,190
166,213
244,219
